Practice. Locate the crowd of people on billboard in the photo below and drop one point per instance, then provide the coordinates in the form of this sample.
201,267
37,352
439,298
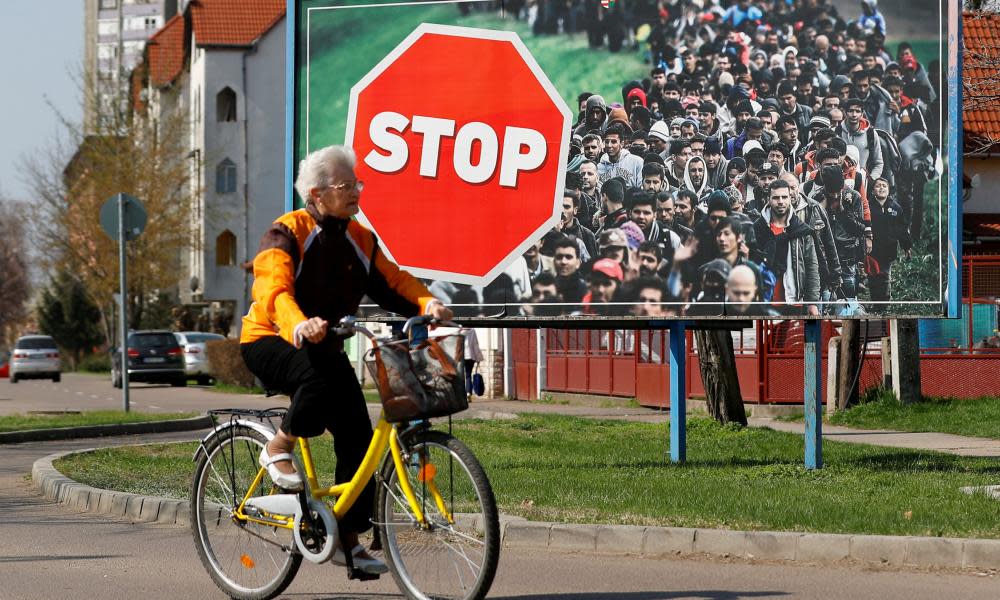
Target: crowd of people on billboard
771,162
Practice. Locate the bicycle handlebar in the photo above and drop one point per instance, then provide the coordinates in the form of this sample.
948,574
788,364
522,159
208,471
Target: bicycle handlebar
349,325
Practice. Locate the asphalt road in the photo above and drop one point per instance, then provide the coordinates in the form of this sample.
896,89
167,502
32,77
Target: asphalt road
79,391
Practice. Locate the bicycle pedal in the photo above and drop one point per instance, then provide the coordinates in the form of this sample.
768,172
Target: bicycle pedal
360,575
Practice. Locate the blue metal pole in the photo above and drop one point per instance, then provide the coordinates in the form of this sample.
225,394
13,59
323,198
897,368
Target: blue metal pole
678,393
955,169
813,367
291,41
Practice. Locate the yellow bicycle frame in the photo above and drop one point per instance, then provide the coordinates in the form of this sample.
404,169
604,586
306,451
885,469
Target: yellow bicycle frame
347,493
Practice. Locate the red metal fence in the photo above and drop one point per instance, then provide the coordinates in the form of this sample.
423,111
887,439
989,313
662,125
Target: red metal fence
959,357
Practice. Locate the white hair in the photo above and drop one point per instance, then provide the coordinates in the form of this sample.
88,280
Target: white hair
316,169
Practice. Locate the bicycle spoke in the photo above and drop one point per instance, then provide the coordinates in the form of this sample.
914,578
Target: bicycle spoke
472,565
244,558
474,540
440,560
222,484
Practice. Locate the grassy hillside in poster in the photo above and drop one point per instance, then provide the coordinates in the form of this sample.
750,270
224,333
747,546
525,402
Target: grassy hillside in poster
344,44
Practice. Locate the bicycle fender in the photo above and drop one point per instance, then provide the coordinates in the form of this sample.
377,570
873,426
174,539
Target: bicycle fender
264,430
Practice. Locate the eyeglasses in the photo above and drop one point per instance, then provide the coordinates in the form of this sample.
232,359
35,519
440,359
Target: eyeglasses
356,185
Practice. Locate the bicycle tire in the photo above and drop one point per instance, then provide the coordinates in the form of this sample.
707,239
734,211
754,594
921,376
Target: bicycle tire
471,544
242,564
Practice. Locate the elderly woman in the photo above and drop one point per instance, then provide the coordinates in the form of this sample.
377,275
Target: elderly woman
313,267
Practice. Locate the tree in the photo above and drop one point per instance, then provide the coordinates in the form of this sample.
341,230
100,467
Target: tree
67,314
982,5
717,362
850,365
132,149
15,284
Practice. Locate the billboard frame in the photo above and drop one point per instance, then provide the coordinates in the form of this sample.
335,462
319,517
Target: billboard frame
950,286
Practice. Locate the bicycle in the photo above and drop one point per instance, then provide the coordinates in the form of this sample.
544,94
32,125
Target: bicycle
435,517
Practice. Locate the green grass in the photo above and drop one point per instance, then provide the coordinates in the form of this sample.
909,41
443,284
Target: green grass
230,388
979,417
879,409
22,422
577,470
345,45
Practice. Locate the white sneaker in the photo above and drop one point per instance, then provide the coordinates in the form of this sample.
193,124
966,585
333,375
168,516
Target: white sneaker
289,481
372,566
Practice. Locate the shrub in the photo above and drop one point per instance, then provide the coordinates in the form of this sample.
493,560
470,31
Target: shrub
98,362
226,364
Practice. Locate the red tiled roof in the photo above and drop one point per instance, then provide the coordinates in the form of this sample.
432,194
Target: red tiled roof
981,33
233,22
166,52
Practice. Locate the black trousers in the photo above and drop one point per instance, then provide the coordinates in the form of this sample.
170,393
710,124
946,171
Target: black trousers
879,284
325,396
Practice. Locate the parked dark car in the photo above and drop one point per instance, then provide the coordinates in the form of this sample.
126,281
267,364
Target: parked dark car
153,357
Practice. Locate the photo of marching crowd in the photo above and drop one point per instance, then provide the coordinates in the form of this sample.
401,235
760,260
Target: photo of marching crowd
771,162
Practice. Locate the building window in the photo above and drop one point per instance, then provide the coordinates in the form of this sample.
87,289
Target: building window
109,3
225,249
225,177
225,105
107,27
107,51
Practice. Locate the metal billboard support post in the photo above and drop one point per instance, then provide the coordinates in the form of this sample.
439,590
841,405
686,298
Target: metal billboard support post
813,368
678,394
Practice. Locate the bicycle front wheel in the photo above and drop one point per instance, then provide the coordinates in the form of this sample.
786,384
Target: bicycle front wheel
454,555
246,559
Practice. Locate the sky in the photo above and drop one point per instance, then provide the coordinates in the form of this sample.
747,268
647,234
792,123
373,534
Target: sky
42,45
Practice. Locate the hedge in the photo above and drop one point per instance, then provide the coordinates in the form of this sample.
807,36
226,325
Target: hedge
226,364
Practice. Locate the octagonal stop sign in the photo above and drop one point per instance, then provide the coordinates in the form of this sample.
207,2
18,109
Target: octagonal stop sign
462,142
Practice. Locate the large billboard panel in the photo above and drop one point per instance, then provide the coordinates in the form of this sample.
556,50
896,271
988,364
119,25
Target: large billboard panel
638,160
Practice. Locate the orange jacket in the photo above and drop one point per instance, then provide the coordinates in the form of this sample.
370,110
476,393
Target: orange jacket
308,266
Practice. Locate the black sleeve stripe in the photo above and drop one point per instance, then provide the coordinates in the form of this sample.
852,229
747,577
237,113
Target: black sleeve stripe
281,237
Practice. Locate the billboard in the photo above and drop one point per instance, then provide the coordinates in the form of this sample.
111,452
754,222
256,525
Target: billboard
638,160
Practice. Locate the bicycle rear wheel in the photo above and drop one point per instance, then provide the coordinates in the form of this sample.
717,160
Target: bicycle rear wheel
247,560
444,560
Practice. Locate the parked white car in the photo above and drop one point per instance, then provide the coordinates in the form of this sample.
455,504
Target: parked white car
35,357
195,358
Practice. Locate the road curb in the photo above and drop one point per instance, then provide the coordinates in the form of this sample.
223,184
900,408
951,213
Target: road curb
516,532
90,431
135,507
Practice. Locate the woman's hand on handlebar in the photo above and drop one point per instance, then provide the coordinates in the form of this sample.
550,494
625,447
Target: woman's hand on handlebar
312,330
437,310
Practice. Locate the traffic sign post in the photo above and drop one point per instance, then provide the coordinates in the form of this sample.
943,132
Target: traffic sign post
460,179
123,218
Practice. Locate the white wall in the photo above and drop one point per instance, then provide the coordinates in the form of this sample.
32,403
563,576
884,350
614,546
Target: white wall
255,143
984,198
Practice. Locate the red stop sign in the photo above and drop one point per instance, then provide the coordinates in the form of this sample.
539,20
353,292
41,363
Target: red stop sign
462,143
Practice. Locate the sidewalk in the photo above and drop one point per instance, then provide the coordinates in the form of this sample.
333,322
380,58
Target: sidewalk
938,442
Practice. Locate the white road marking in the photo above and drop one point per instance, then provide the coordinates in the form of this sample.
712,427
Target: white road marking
154,407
